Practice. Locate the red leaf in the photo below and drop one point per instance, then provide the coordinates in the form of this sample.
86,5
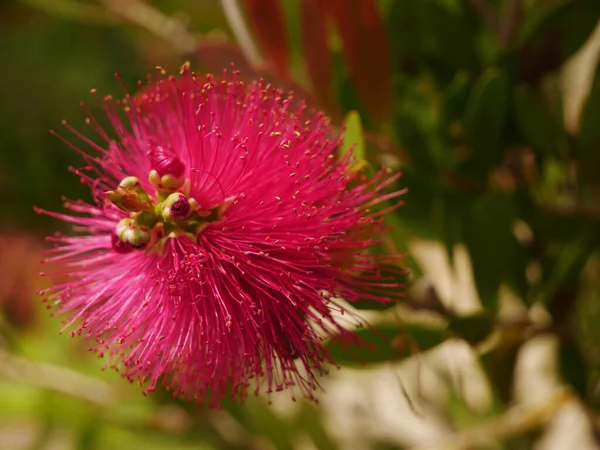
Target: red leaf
269,26
216,56
367,49
313,25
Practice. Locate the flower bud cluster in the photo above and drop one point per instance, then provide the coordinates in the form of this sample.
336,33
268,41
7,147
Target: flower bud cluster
129,196
168,171
153,219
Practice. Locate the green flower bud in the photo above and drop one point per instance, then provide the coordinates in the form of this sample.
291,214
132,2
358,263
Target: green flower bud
154,178
137,237
168,181
130,183
171,181
122,226
127,199
193,203
146,219
176,207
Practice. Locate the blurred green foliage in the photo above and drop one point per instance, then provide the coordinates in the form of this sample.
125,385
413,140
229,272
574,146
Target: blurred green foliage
463,96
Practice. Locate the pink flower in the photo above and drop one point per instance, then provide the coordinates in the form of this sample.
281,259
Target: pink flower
223,230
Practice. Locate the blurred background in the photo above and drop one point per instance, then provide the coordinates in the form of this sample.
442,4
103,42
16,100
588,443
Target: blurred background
490,108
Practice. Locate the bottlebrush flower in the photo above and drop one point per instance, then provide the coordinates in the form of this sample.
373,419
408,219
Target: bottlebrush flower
222,231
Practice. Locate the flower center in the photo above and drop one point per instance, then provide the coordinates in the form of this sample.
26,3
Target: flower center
155,218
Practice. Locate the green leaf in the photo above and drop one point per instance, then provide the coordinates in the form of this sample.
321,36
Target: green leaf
258,418
76,11
88,434
369,305
473,329
573,368
453,37
399,234
448,212
310,420
589,136
565,267
391,274
266,422
489,239
499,364
416,122
410,30
385,343
292,21
353,137
345,93
516,276
425,29
485,119
539,127
552,35
456,96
